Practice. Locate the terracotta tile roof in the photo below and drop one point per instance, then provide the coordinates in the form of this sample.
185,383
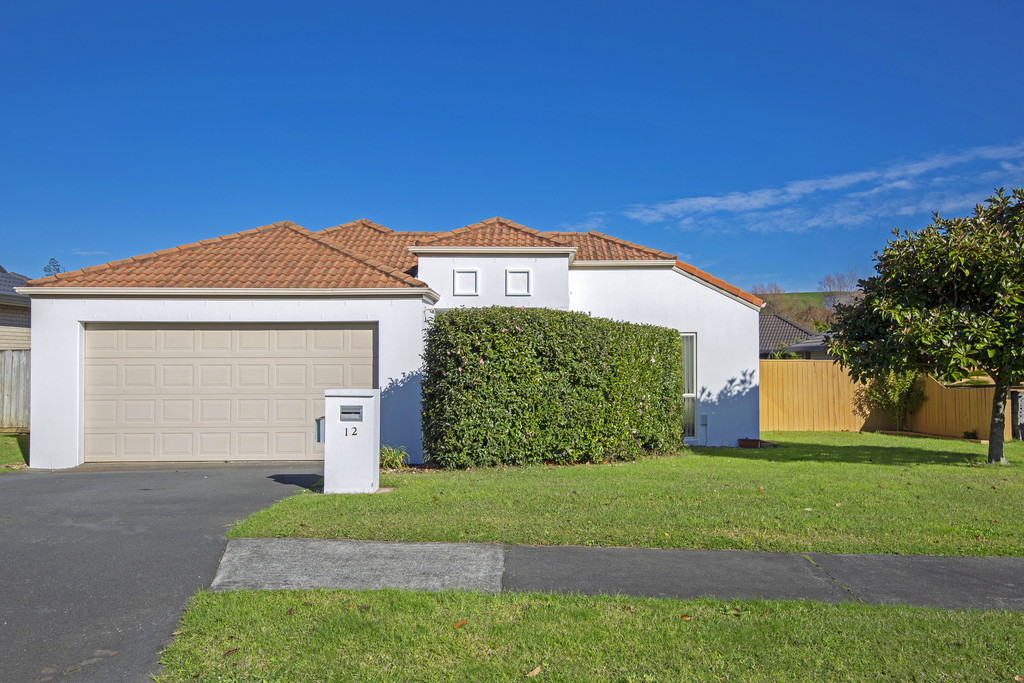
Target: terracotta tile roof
281,255
493,232
596,246
721,284
360,254
376,242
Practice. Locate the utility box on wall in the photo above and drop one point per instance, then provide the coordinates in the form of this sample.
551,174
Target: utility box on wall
351,440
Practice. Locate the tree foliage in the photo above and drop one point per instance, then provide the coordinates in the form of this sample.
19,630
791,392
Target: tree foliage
52,267
946,300
895,393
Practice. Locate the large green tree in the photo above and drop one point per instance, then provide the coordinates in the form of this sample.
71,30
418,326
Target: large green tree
945,300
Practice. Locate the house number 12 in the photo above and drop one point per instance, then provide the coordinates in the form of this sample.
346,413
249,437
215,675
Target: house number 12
350,431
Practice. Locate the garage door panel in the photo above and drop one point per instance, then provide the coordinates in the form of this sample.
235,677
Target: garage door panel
215,392
214,410
214,376
215,444
257,376
360,376
177,410
139,376
178,376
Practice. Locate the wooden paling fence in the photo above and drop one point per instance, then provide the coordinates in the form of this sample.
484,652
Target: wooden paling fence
818,395
14,390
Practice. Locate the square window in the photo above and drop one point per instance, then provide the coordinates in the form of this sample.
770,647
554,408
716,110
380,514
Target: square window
518,282
466,283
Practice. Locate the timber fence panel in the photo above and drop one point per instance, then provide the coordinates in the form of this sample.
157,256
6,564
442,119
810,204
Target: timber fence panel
811,395
951,411
14,390
818,395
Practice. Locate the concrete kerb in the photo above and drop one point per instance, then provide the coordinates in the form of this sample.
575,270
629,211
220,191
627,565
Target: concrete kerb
927,581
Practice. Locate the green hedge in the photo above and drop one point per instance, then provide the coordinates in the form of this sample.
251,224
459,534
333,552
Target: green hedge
512,386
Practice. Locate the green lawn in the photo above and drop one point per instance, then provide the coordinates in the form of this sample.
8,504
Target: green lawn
826,492
13,452
392,635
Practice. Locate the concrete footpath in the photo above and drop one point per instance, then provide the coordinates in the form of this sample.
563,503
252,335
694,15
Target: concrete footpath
945,582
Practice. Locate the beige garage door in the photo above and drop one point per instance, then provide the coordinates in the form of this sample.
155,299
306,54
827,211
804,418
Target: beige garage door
216,392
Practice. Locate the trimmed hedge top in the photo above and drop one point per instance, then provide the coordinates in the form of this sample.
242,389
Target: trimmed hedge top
518,385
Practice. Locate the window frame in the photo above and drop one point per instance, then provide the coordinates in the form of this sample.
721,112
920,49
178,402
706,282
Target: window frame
690,388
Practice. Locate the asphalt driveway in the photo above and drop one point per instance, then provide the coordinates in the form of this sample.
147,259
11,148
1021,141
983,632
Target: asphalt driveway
96,567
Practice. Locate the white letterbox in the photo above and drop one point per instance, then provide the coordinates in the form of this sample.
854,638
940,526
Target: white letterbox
351,440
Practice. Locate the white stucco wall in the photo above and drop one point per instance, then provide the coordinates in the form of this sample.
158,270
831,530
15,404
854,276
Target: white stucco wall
549,275
727,338
58,354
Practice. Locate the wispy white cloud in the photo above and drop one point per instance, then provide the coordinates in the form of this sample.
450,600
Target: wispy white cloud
947,182
596,220
84,252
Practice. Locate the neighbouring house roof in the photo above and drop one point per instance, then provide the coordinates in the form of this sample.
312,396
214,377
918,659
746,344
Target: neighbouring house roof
360,254
813,344
277,256
8,281
778,331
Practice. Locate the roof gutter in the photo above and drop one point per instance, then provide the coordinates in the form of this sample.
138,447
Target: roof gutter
14,300
424,293
495,251
651,263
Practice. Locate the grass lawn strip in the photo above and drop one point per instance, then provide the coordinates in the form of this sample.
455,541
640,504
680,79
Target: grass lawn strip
400,635
833,492
13,452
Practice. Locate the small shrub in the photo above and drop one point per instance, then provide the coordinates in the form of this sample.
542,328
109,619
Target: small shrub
393,458
897,394
971,434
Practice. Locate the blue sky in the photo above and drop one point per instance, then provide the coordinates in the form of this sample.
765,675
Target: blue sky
761,141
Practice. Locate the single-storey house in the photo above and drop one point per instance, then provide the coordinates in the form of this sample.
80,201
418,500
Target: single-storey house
15,318
221,350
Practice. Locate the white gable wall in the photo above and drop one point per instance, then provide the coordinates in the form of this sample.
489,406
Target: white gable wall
58,356
549,275
727,337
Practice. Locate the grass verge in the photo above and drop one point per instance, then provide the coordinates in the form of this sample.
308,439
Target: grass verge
400,635
13,452
827,492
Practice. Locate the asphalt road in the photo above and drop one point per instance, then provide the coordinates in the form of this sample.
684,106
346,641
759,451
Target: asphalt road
96,567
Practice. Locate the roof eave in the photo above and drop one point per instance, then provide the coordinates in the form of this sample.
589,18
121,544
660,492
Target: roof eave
570,252
757,306
425,293
626,263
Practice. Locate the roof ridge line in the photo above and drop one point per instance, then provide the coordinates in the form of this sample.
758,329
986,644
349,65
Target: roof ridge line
362,222
373,263
496,220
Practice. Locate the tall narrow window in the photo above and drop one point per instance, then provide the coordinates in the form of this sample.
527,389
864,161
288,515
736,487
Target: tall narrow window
689,384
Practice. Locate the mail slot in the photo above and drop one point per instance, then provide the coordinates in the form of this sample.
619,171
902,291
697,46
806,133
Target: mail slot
351,414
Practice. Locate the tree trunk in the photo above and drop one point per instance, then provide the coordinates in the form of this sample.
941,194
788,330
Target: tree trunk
995,434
